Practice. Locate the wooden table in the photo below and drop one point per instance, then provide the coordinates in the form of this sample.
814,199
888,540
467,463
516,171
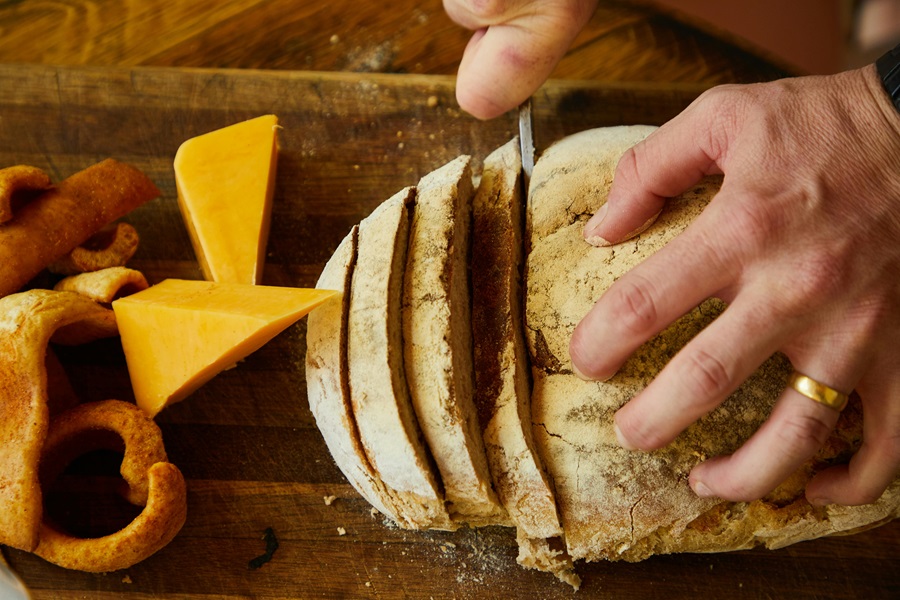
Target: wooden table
246,442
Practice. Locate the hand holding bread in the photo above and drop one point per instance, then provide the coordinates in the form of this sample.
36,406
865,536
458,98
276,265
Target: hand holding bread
797,242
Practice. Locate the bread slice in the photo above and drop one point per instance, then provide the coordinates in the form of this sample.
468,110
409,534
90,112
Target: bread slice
379,395
502,387
328,382
438,340
617,504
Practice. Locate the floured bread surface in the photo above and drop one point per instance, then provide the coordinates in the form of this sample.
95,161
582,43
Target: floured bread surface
378,390
438,341
617,504
328,383
575,172
502,394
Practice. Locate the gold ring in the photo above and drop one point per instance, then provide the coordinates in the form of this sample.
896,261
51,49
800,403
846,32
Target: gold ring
821,393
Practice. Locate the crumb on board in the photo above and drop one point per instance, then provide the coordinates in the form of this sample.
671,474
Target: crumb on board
126,579
329,500
341,531
432,101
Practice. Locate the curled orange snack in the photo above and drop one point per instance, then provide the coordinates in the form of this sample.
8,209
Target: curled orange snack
65,216
105,285
28,320
112,246
151,481
19,178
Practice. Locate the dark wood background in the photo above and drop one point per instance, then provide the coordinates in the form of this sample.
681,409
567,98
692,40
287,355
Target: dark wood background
367,106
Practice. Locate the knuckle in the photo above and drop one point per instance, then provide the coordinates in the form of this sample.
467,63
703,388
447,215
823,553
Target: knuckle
640,435
707,376
799,436
633,306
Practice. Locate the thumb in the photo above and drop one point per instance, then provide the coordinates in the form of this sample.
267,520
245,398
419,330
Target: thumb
515,48
666,163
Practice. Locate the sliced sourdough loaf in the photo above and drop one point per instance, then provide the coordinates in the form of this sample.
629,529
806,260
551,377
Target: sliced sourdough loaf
615,504
502,390
328,382
379,395
438,342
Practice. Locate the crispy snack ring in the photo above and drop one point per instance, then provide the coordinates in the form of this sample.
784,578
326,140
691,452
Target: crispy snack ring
19,178
112,246
105,285
152,482
65,216
27,322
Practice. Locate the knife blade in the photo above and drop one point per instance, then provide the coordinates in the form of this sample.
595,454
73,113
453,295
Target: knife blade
526,141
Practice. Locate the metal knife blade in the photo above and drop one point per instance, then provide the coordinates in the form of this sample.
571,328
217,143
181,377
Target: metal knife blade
526,141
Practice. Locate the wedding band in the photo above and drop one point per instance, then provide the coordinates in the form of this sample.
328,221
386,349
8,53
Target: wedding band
821,393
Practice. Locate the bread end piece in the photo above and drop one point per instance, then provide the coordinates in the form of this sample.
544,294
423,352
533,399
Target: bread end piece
387,424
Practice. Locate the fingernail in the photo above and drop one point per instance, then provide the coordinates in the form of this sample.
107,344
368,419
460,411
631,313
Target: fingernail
592,225
579,374
701,490
584,377
646,225
621,438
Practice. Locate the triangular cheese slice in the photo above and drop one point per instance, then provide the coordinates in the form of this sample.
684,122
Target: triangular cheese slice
225,180
179,334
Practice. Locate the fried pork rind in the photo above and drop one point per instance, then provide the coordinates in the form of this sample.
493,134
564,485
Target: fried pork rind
105,285
112,246
28,320
64,217
19,179
151,481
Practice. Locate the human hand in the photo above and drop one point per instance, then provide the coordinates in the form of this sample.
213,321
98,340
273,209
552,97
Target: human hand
516,45
802,242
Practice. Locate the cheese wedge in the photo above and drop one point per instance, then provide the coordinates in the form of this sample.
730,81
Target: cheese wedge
225,180
179,334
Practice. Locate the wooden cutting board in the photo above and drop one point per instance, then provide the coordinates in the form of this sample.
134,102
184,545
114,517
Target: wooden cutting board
246,442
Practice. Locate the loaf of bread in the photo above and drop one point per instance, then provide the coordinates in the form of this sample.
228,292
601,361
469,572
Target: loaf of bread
543,457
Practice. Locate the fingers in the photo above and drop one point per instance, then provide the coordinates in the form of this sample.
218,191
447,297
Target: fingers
794,432
516,46
877,462
700,377
665,164
501,67
691,268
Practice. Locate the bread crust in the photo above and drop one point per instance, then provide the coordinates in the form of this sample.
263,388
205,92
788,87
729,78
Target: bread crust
387,425
328,382
438,340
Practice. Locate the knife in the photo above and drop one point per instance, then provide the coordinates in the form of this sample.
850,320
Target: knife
526,142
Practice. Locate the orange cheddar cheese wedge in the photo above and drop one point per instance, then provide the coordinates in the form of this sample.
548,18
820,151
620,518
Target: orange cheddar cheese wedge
225,180
179,334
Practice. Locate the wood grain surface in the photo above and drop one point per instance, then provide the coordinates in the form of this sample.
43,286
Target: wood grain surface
246,442
625,41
